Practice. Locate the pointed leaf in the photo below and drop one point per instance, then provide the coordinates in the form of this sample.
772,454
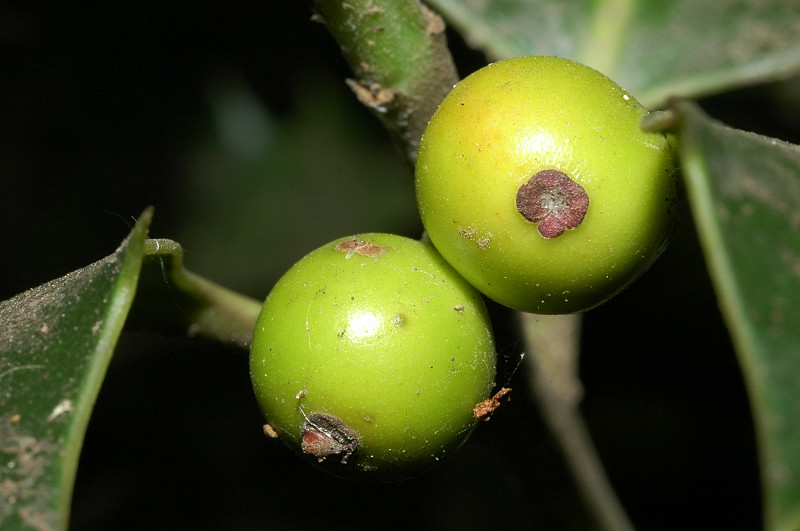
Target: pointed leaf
56,341
744,191
654,49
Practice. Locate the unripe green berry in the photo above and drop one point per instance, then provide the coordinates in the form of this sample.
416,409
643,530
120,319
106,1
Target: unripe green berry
535,181
369,356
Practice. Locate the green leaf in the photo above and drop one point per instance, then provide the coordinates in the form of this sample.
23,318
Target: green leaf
655,49
744,190
56,341
174,299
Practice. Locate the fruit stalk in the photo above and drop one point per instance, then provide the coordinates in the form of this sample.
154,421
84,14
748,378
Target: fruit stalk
203,308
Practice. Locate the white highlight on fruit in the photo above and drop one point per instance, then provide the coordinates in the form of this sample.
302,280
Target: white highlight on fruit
539,142
362,325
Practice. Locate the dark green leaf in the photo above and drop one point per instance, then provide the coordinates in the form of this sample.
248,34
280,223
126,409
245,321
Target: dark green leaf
744,191
56,341
654,49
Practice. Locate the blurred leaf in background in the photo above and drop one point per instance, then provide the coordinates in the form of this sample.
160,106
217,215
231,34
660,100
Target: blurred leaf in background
744,190
266,189
654,49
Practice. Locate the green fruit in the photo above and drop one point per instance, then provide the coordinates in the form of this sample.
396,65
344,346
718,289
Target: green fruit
535,181
369,356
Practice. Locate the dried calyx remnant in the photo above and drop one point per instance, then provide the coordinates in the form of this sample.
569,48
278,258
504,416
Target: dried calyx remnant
485,409
325,436
553,200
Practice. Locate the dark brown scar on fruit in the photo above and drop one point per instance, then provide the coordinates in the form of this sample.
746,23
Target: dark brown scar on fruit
326,436
484,410
356,246
553,200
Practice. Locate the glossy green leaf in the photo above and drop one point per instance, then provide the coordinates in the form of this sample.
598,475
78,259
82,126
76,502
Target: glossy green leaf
174,299
56,341
655,48
744,190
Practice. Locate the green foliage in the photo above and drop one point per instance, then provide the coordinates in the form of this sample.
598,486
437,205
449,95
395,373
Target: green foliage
654,49
57,340
744,190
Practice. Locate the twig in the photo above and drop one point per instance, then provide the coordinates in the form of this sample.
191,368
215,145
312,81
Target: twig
399,56
553,345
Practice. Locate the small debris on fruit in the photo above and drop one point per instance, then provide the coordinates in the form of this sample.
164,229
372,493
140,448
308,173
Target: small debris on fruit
484,410
356,246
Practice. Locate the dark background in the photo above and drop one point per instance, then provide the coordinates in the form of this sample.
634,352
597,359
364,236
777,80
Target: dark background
108,109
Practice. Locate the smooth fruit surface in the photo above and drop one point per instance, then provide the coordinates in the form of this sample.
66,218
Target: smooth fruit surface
596,194
369,356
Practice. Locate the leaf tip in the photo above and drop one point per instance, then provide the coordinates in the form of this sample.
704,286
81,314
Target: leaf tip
146,217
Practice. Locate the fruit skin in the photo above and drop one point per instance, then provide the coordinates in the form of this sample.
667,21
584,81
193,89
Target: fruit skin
379,332
512,119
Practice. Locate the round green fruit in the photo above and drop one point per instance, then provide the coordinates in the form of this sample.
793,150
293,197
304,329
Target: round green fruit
370,355
535,181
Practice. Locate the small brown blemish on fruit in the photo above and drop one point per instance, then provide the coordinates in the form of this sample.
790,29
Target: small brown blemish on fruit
325,436
553,200
470,233
484,410
270,432
459,308
355,246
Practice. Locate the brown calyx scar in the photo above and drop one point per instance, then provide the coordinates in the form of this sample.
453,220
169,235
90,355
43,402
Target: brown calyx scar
327,436
554,201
